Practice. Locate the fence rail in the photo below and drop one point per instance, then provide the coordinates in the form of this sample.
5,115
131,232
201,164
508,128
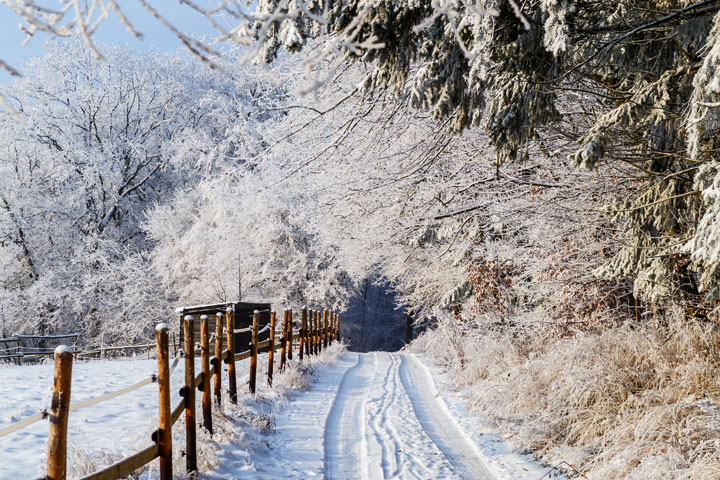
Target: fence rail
11,348
317,330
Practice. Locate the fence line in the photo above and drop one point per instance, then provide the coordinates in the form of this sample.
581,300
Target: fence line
321,336
18,351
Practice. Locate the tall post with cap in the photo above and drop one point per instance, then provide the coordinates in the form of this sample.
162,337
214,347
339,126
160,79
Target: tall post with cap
189,395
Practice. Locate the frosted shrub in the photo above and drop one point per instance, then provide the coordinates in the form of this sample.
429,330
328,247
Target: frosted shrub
633,402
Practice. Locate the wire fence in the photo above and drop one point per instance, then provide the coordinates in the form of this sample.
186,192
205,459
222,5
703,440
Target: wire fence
316,331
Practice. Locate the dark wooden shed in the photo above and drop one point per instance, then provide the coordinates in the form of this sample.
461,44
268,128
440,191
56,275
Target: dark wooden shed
243,313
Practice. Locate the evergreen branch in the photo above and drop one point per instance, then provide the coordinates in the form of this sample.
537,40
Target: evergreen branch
677,13
644,26
672,197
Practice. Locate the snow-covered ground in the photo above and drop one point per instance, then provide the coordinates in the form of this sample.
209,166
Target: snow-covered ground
365,416
379,416
122,424
101,434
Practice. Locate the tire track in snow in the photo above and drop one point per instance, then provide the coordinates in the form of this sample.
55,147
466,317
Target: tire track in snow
377,409
399,447
391,388
437,423
345,443
384,398
410,438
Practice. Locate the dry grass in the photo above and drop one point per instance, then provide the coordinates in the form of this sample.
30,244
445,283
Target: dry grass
633,402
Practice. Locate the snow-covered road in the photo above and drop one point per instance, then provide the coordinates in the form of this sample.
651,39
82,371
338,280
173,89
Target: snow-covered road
380,416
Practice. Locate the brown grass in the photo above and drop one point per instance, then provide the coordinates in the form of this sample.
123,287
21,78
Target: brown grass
633,402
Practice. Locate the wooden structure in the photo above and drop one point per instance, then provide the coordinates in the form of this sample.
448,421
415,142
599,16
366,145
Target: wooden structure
243,318
20,347
59,410
10,349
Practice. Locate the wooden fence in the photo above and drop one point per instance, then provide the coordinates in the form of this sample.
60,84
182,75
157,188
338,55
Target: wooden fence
25,347
316,331
20,347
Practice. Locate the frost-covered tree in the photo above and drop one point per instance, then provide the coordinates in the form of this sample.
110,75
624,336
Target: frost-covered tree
647,74
625,90
240,238
97,146
403,199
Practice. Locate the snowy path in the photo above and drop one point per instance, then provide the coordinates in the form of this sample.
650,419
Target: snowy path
344,441
380,416
437,423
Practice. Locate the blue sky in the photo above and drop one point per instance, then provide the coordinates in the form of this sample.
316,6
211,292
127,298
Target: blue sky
111,31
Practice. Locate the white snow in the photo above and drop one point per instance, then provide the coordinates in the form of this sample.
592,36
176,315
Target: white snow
120,426
378,416
63,349
182,309
501,458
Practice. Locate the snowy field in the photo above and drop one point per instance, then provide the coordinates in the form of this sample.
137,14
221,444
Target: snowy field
120,426
366,416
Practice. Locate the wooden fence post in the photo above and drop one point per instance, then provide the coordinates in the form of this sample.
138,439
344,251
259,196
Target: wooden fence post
232,378
164,439
271,352
59,409
189,395
316,332
308,337
337,327
319,331
283,341
205,365
309,333
321,328
329,328
325,321
313,332
217,362
254,351
290,334
334,326
303,321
